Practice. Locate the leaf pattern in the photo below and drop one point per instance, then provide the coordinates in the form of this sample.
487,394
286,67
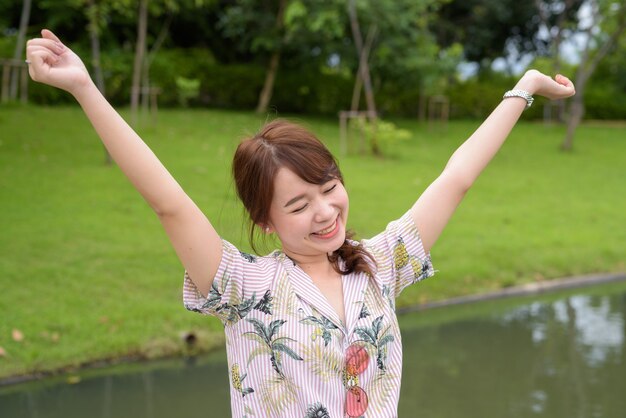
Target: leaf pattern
364,312
274,346
277,392
265,304
323,327
373,336
248,257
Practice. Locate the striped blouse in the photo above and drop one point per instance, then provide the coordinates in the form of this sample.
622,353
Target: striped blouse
289,354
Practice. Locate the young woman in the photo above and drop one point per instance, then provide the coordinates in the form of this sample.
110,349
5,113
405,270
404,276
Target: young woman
310,329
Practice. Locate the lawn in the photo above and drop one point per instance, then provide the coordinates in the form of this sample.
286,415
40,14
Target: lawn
87,274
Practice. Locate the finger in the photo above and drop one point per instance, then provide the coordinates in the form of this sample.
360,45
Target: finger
40,62
46,43
35,48
42,57
46,33
566,86
37,56
561,79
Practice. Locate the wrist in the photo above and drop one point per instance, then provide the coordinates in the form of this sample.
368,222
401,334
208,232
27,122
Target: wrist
529,82
84,89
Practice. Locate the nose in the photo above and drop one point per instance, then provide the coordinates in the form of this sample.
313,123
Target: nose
325,211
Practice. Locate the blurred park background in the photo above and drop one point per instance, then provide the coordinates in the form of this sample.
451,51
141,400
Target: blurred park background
86,273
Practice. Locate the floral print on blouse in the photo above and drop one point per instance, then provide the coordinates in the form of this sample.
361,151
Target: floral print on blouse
289,354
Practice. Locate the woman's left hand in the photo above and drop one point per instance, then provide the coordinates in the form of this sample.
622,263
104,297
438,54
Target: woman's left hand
537,83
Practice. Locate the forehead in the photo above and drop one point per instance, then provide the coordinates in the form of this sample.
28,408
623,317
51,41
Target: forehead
288,185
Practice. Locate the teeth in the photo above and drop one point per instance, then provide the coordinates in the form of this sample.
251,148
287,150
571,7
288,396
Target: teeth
327,230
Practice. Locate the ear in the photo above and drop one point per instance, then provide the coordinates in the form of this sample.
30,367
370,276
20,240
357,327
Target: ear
267,229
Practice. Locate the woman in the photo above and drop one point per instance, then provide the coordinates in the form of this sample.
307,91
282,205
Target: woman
311,329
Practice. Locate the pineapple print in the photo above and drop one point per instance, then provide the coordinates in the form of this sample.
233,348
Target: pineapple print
317,333
238,379
400,254
417,267
317,410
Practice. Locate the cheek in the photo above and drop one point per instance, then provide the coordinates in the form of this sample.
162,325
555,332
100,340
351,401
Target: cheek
343,199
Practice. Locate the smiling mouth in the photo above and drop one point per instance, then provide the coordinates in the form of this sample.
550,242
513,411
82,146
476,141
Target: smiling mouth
328,232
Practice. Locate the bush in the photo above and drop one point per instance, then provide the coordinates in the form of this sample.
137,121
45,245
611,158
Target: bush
311,92
604,101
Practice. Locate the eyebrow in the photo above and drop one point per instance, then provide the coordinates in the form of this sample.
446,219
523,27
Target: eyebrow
294,200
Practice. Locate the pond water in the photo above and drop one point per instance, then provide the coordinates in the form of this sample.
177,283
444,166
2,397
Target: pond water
557,355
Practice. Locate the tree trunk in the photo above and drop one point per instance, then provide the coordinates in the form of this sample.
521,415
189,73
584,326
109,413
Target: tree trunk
270,76
588,64
358,83
356,92
421,106
19,47
93,27
577,111
140,49
555,45
364,72
268,86
149,57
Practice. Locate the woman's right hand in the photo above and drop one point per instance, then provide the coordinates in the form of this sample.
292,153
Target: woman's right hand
53,63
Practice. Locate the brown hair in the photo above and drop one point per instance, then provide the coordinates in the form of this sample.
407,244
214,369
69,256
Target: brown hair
284,144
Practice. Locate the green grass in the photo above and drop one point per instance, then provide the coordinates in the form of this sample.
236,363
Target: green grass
86,272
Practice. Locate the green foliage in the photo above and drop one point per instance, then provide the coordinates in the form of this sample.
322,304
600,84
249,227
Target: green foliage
603,101
415,54
489,28
172,64
7,46
311,92
187,89
231,86
476,97
387,134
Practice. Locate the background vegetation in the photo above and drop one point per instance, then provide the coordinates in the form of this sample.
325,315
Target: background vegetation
228,45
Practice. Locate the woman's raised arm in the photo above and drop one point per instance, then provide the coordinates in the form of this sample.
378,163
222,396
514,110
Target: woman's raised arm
195,240
435,206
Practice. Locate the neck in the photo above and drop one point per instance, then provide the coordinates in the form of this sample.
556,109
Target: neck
313,265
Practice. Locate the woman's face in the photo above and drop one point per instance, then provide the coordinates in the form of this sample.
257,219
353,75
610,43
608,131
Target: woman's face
309,219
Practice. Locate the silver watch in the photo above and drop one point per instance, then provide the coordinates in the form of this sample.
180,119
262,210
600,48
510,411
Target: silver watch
520,93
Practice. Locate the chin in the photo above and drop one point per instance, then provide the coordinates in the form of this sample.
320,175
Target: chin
341,238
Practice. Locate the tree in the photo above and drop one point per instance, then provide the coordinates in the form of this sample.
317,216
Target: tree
96,12
605,28
363,72
19,46
96,15
559,19
143,57
488,29
269,30
272,68
140,50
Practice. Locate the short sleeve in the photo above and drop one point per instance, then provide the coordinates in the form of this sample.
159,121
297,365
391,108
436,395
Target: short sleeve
401,259
240,285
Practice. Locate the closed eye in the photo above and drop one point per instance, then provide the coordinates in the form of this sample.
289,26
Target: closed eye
330,189
300,209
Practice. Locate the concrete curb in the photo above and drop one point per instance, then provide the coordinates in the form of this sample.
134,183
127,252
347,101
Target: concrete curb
522,290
